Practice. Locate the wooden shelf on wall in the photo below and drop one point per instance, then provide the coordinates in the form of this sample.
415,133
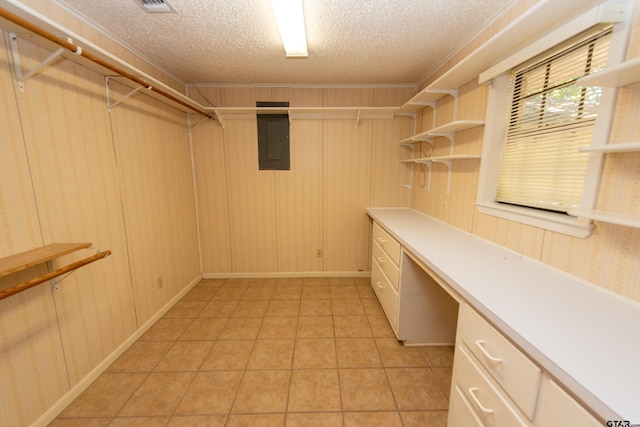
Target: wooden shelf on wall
24,260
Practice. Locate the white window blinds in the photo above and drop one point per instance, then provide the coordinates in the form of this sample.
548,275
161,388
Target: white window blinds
550,119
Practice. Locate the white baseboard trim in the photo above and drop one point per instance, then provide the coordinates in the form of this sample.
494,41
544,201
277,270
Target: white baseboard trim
75,391
270,275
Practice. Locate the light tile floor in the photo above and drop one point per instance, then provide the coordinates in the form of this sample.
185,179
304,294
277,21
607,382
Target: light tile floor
270,352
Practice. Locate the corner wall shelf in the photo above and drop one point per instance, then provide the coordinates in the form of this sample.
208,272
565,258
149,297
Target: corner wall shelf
426,98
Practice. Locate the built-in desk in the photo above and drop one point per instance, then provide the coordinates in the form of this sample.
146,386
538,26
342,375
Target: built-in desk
583,337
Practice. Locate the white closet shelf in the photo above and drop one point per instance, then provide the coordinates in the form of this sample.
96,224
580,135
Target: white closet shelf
445,158
445,130
544,16
456,157
310,112
613,148
407,142
426,98
628,220
423,136
424,160
618,75
455,126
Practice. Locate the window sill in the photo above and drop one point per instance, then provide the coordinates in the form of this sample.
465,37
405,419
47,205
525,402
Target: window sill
559,223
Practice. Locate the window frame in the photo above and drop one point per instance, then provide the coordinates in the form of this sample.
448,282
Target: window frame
498,106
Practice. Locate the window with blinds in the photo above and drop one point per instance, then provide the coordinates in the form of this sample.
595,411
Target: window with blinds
549,120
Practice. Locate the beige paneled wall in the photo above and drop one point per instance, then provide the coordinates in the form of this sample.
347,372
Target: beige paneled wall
213,212
252,216
347,154
278,221
386,176
299,215
70,171
610,257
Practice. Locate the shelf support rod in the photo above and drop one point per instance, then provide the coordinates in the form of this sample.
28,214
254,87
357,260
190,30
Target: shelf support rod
130,94
204,119
221,119
55,282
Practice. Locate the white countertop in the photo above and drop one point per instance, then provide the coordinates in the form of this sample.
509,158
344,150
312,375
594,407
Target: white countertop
586,337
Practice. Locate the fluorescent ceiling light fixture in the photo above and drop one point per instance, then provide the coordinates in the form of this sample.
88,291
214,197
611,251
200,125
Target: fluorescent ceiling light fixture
290,21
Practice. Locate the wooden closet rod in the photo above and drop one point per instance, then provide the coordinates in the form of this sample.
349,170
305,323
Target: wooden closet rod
51,275
79,51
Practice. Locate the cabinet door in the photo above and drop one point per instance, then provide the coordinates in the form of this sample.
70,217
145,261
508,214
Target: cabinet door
502,360
386,294
387,243
557,408
390,269
483,396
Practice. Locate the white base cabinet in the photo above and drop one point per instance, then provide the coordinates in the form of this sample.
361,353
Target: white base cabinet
537,342
495,385
419,310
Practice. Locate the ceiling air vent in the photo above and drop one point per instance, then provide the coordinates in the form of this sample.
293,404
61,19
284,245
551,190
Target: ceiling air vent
156,6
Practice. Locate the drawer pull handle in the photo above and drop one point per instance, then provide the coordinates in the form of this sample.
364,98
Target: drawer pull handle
480,344
381,260
381,240
472,393
380,285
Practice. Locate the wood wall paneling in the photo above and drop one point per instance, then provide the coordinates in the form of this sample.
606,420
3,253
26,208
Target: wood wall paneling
252,203
298,194
387,172
346,175
139,152
213,207
180,195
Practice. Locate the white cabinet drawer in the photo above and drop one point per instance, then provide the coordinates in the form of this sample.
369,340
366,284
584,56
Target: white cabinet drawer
490,406
460,412
505,363
391,270
557,408
387,243
386,294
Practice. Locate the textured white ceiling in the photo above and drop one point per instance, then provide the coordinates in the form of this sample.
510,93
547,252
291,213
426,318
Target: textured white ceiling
350,41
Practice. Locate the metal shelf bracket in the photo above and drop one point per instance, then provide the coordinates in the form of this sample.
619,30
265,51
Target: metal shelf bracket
111,105
18,67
